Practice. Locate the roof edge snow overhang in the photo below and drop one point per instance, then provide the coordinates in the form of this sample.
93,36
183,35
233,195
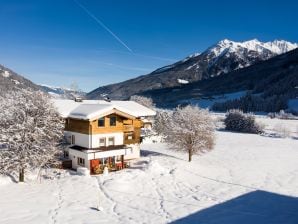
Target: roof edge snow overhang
95,116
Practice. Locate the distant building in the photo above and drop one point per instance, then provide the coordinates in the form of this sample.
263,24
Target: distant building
102,134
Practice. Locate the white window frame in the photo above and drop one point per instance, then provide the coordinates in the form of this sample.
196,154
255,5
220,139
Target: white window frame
81,161
73,139
104,143
65,154
104,122
112,137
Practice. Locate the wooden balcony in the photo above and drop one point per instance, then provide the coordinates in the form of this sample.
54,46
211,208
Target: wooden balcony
128,128
131,141
102,148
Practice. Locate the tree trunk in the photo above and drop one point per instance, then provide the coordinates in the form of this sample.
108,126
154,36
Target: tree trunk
189,154
21,175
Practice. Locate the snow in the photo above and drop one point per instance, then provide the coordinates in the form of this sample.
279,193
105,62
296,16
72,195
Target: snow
191,66
247,178
90,111
55,88
164,68
190,56
207,103
16,82
6,74
194,55
276,46
269,124
83,171
5,180
65,107
182,81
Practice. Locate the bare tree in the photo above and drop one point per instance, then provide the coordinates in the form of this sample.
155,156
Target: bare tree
30,128
189,129
145,101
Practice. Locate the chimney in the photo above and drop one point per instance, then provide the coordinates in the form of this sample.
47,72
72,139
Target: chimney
78,99
107,99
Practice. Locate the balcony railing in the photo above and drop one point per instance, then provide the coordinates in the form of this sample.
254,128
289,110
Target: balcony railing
127,128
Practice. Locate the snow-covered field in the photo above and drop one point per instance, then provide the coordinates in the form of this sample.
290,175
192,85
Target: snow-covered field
269,125
246,179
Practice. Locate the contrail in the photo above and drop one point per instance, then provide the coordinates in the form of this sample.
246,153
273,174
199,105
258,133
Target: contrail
102,25
138,54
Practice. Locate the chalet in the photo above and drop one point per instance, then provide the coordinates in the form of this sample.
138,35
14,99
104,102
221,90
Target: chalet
102,134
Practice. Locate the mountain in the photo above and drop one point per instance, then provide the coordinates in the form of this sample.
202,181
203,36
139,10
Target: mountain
61,93
9,80
221,58
265,86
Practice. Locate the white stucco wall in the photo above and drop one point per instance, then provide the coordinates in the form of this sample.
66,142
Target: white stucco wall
85,141
106,154
74,154
135,152
118,136
93,142
80,139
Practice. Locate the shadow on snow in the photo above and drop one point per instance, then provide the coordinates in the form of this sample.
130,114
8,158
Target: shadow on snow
257,207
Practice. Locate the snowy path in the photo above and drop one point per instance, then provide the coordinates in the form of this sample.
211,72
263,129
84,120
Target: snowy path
245,179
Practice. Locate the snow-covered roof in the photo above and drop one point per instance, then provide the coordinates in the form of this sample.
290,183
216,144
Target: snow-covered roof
88,109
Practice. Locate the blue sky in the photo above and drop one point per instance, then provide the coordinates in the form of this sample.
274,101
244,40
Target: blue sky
56,42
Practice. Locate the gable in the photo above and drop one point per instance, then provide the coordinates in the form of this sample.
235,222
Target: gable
114,112
95,111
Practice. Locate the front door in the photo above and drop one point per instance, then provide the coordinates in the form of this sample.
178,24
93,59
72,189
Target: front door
94,165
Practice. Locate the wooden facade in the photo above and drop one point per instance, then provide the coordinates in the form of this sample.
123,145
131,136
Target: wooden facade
131,127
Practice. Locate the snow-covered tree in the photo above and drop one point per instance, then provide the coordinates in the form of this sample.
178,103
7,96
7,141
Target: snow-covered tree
160,121
189,129
236,120
145,101
31,129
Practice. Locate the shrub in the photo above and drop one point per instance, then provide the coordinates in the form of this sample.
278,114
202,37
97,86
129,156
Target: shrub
237,121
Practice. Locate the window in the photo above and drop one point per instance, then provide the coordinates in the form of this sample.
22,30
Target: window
129,136
101,122
68,139
67,123
81,161
111,141
73,139
113,121
102,142
128,151
65,154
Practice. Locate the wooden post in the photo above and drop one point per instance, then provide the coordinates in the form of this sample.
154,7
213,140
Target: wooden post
189,154
21,175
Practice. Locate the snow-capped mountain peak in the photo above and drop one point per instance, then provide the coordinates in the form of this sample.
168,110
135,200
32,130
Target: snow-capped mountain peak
61,92
280,46
223,57
275,47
